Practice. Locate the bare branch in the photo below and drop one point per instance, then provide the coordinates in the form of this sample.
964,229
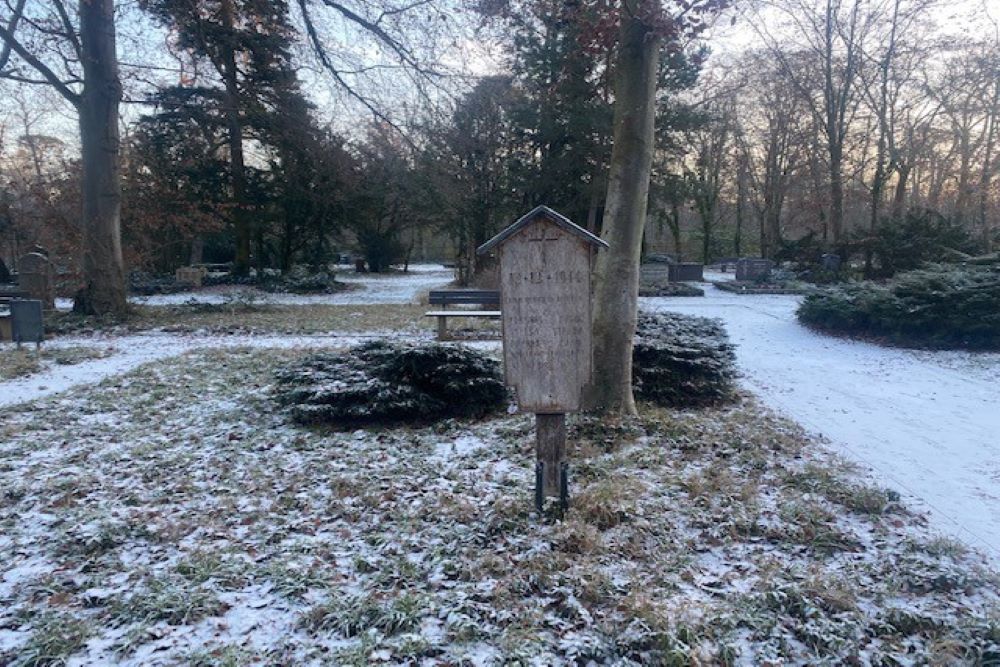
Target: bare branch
61,86
11,28
71,35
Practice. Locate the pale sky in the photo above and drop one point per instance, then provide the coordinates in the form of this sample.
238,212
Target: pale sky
466,56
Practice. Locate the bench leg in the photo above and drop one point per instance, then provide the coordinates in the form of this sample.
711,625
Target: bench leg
442,328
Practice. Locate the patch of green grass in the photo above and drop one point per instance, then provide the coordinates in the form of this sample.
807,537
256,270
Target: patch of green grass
811,524
15,363
278,319
25,361
222,656
859,498
354,615
55,636
203,566
171,600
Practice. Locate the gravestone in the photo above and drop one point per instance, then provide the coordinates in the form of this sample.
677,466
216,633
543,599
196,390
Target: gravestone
831,262
686,272
751,269
545,302
190,275
26,321
36,276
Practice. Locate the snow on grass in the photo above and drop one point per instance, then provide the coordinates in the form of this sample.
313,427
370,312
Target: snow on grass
111,355
926,422
370,288
175,515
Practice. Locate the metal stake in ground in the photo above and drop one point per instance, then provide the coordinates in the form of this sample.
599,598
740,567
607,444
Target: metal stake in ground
546,263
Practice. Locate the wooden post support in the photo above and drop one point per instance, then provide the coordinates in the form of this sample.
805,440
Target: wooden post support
550,450
442,333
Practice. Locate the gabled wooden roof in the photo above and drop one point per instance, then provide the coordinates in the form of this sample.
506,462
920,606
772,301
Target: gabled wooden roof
548,214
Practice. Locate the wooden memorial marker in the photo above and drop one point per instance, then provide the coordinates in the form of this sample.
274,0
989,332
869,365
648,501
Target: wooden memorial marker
545,301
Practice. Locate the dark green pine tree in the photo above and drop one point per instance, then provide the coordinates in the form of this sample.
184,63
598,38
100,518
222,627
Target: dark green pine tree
240,50
565,112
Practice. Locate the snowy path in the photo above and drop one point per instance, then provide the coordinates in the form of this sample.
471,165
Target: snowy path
926,422
128,352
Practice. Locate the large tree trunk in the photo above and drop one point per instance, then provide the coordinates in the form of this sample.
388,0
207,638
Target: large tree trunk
234,128
103,268
617,274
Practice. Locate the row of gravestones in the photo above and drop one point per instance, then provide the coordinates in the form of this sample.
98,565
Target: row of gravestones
759,269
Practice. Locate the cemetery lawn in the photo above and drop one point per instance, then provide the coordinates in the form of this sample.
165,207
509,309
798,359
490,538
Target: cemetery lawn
174,515
27,360
249,317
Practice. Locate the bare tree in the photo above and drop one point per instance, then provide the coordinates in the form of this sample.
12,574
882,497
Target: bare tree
79,61
828,35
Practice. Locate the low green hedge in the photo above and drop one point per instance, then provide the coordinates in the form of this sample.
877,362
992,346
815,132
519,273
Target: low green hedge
382,382
947,307
682,361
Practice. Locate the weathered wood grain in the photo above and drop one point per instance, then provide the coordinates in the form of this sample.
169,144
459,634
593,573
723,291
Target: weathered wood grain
545,295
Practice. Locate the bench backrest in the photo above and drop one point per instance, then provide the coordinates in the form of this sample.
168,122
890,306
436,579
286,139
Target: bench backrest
466,296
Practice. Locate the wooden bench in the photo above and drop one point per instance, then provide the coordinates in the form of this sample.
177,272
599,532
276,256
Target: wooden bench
467,297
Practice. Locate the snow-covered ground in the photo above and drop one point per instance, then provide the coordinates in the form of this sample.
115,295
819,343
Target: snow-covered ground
370,288
129,352
926,422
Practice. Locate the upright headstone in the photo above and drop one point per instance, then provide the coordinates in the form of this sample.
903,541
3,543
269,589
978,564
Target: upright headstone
26,321
751,269
545,299
36,276
686,272
190,275
831,262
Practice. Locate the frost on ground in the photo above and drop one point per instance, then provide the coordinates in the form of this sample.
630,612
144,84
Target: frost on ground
174,515
113,355
926,422
391,287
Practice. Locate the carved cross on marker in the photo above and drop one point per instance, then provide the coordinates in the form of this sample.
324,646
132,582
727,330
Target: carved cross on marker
544,237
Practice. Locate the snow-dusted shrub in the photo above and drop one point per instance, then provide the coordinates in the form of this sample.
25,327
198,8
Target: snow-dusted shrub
681,360
381,382
301,279
940,307
670,289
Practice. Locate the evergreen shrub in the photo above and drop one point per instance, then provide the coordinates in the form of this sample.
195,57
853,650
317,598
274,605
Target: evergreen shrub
941,306
682,361
301,279
670,289
383,382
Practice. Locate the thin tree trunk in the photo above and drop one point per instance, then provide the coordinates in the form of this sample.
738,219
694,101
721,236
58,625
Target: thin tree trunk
617,273
987,168
237,168
103,268
899,197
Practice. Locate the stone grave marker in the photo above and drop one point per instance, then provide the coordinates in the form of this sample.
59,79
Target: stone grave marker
831,262
190,275
545,265
36,276
26,321
751,269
